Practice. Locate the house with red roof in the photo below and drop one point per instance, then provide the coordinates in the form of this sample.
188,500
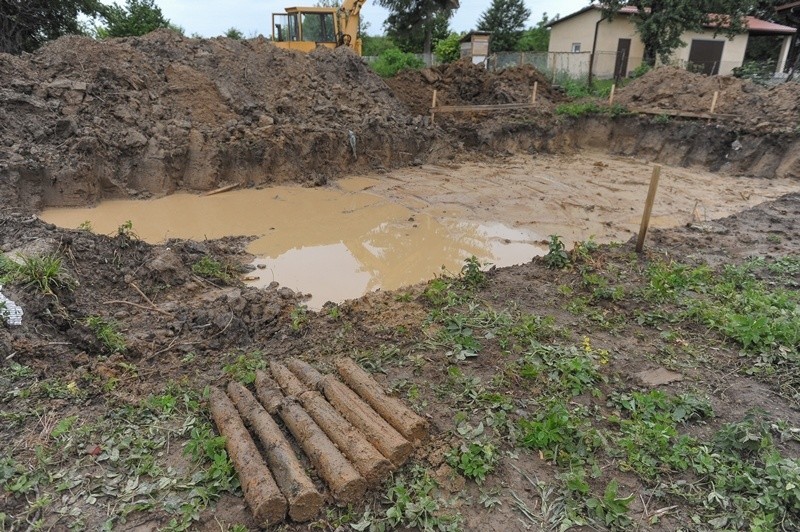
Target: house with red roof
612,48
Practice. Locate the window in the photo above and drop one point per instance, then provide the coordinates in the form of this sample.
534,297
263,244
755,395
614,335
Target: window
318,27
576,47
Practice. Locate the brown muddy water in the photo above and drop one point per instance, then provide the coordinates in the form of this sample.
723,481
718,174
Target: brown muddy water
391,230
333,243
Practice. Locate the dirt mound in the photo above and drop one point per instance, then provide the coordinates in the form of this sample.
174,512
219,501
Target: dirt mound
465,83
83,119
767,108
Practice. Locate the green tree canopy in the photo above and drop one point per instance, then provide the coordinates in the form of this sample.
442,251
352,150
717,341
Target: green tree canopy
660,23
506,20
138,17
27,24
414,25
537,38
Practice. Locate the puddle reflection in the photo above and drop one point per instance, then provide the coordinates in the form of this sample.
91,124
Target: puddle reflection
333,244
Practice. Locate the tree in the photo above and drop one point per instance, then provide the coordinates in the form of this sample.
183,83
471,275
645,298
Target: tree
660,23
537,38
138,17
506,20
27,24
416,24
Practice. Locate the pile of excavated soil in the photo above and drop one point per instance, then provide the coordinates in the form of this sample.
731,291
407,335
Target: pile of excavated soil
764,108
82,119
465,83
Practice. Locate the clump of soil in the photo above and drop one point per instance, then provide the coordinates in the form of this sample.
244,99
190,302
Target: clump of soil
465,83
84,119
765,108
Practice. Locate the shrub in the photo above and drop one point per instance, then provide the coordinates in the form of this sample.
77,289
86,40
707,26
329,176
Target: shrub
393,60
448,49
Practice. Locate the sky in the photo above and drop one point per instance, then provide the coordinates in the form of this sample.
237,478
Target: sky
210,18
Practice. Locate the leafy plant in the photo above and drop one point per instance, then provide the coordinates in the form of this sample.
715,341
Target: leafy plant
474,460
213,269
471,273
85,225
563,436
557,257
125,234
611,510
299,318
413,504
243,369
107,332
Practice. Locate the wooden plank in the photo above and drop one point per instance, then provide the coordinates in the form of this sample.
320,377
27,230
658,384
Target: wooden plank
221,189
479,108
681,114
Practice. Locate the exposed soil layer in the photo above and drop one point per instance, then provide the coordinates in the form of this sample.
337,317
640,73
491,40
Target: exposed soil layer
750,105
465,83
82,119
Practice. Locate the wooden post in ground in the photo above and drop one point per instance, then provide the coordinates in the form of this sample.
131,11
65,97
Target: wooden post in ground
433,106
648,207
714,102
611,95
533,94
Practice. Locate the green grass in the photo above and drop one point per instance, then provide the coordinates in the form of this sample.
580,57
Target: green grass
44,273
127,450
107,333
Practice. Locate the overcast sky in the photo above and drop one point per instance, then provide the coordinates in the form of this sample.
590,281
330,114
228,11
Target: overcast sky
210,18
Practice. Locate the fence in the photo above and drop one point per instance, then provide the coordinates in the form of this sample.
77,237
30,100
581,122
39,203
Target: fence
561,66
558,66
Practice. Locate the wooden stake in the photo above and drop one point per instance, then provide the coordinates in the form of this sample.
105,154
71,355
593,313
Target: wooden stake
714,102
533,94
648,207
433,106
611,95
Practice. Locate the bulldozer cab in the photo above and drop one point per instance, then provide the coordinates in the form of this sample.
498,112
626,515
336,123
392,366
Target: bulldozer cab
305,28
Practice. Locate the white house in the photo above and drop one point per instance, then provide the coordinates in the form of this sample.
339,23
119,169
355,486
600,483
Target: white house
614,49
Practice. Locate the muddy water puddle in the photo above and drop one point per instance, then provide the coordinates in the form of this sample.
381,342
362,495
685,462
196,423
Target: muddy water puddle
334,243
394,229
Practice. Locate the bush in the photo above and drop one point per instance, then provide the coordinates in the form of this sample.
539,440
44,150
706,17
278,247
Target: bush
392,61
448,49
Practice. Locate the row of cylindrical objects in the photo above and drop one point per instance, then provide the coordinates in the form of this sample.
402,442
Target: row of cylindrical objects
352,438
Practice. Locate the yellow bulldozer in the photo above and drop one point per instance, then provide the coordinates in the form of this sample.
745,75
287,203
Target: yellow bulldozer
306,28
